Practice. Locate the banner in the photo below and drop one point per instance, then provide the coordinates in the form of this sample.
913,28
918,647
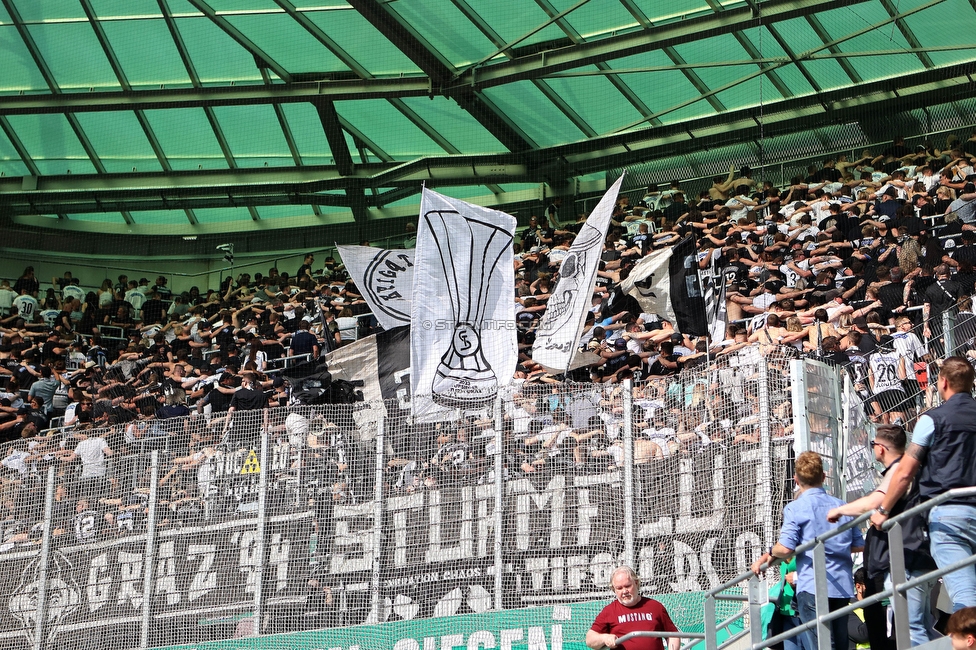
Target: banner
95,592
562,627
698,520
558,334
385,278
463,334
666,283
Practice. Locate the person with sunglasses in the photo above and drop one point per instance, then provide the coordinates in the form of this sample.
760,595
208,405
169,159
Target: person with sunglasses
888,448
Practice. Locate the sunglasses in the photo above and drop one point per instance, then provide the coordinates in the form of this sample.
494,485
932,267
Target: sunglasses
878,444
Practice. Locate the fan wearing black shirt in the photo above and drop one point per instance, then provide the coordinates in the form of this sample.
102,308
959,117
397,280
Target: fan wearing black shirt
250,397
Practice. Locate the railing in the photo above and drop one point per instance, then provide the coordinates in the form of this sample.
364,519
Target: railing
900,585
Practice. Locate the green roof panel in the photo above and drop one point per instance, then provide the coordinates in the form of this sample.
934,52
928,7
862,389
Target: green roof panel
254,136
455,124
662,90
52,144
596,100
827,72
19,72
379,121
10,162
242,6
217,58
449,31
41,10
361,41
186,138
222,215
512,23
306,128
98,217
673,10
132,39
596,19
119,141
105,9
60,45
286,42
525,104
161,218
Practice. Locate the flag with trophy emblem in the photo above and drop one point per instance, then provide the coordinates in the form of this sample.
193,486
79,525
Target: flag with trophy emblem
385,278
558,335
462,323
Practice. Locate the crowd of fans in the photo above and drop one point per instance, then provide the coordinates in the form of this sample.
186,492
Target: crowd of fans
854,263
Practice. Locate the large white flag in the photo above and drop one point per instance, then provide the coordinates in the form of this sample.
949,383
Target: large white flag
558,334
385,278
462,343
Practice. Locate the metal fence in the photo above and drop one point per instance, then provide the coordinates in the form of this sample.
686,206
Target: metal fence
160,532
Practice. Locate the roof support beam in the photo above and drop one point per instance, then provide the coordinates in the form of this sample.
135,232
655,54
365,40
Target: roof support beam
308,185
640,41
335,136
215,96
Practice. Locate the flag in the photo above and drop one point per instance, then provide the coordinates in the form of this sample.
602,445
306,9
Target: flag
665,283
382,362
385,278
463,337
715,307
558,334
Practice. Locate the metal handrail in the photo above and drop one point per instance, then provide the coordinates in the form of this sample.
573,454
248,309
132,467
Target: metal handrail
661,635
954,493
896,591
802,548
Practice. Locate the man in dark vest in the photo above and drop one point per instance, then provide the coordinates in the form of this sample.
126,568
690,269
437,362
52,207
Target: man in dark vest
941,454
888,448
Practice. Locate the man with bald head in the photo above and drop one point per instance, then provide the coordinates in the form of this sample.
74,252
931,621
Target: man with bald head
631,612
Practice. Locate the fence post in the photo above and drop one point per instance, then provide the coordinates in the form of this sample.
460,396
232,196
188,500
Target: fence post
378,521
899,600
755,586
711,624
39,623
798,387
628,433
259,536
948,332
824,641
766,459
149,575
499,465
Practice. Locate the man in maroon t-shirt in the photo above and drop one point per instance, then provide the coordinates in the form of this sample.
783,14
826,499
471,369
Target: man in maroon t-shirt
630,612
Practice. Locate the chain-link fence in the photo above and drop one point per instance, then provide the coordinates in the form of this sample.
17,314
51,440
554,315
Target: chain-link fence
183,530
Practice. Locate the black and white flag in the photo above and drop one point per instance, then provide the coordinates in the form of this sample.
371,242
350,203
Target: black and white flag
558,335
666,283
715,306
385,278
462,329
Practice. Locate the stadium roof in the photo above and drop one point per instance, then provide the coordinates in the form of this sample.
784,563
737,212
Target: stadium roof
248,113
